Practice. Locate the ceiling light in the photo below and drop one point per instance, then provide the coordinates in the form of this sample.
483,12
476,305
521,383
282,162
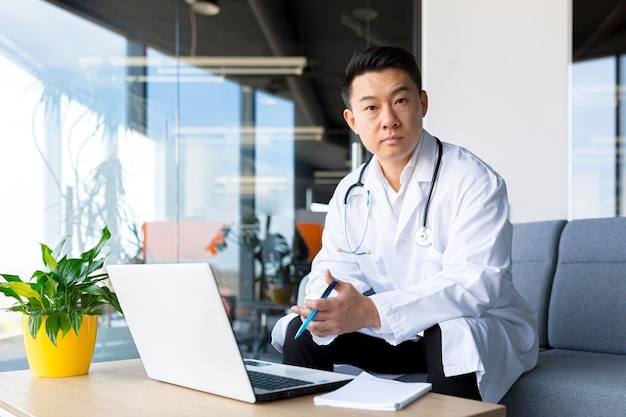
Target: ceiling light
249,64
252,134
204,7
220,65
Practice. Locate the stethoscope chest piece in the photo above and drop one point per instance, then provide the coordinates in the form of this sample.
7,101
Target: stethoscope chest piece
423,236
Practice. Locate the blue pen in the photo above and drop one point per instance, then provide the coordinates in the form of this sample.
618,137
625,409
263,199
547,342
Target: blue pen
327,292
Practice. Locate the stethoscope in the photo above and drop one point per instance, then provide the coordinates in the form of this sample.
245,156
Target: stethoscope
423,234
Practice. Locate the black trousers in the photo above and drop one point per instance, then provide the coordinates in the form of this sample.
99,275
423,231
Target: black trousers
376,355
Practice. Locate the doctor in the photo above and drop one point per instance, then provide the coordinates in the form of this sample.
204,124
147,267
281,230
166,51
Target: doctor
419,242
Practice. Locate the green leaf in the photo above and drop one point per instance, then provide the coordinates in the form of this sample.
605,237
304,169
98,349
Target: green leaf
56,254
45,285
111,298
65,322
34,324
75,320
53,325
23,289
48,259
11,278
95,251
94,267
104,294
10,293
70,271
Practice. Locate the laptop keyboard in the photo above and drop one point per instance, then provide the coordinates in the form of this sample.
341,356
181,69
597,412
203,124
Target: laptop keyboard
273,382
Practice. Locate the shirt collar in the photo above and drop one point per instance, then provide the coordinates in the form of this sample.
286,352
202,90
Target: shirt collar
407,172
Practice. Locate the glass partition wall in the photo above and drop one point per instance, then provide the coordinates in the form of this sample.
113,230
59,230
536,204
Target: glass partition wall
180,163
184,163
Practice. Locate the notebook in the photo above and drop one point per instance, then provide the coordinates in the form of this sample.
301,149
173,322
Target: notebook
183,334
369,392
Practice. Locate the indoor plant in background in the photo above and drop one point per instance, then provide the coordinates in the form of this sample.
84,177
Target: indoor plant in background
284,265
280,265
60,307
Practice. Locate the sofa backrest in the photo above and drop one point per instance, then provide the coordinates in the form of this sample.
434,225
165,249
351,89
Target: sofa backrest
588,300
534,256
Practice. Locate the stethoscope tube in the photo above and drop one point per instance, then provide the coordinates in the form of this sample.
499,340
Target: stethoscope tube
423,235
434,180
359,183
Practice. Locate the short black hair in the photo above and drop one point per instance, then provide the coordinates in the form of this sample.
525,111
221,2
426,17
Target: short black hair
378,58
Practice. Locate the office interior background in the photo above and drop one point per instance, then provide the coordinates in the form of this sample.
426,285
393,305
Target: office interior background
192,135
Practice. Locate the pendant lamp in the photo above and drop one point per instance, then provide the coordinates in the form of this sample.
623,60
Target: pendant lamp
204,7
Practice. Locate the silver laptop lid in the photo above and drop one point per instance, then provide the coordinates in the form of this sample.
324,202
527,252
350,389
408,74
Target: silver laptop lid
180,327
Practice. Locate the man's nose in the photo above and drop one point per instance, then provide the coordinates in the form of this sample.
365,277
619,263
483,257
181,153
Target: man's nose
390,119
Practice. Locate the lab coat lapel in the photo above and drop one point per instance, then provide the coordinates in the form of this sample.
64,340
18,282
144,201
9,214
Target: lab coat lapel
418,187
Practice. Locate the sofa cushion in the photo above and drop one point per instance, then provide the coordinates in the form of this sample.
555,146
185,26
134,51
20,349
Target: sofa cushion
534,256
569,383
587,305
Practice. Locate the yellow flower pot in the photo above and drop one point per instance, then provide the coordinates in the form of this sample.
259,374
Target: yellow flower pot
72,355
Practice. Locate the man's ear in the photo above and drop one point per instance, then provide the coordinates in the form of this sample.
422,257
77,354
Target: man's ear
424,102
349,118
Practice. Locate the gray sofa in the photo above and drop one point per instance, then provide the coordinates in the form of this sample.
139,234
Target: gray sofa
574,275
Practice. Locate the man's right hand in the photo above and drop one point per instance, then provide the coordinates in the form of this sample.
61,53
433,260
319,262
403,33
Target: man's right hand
348,312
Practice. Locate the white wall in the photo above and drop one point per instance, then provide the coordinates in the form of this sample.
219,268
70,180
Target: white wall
497,76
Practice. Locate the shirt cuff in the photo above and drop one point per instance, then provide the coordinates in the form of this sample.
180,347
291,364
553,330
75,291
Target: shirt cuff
385,311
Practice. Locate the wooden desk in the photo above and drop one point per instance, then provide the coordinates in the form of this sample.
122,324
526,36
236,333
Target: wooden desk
121,389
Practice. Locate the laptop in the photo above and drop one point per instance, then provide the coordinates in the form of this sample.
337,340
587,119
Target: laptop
183,334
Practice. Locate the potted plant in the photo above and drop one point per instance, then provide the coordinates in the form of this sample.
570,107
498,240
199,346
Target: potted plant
277,260
60,307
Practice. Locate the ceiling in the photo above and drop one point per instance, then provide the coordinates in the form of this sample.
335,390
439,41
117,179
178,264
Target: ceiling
325,31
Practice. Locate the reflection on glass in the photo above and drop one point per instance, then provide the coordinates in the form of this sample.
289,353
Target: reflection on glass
274,190
622,133
593,139
196,194
153,154
68,151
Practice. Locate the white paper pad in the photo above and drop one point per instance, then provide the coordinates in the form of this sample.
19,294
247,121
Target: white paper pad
371,393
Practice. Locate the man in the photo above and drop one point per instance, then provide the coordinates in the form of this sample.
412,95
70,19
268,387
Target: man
419,243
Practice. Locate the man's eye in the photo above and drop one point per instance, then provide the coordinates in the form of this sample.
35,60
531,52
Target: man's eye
401,100
370,108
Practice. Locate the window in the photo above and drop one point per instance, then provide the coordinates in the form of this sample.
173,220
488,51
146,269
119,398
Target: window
594,184
155,149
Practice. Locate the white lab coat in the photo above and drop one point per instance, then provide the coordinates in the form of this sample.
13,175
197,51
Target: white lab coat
461,282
